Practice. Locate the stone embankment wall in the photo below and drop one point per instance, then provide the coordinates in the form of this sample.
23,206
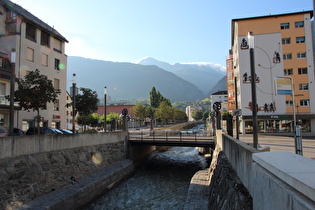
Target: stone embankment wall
31,166
217,187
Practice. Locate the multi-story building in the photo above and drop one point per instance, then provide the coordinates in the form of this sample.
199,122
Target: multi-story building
222,98
36,46
282,48
189,110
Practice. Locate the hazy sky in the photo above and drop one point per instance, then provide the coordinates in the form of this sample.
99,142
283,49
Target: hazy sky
173,31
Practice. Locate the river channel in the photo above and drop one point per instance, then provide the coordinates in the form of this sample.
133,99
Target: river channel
162,184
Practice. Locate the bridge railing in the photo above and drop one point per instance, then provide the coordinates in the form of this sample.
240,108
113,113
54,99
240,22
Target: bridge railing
170,135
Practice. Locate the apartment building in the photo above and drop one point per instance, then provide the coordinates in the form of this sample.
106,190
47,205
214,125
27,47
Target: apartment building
27,43
282,48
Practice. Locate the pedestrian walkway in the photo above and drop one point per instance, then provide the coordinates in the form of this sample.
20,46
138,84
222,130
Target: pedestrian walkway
283,143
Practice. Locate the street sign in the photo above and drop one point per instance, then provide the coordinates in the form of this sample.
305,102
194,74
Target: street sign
283,86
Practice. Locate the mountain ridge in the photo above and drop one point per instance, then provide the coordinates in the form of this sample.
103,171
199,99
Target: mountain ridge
126,81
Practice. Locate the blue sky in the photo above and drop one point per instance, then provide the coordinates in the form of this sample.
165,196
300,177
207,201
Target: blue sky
173,31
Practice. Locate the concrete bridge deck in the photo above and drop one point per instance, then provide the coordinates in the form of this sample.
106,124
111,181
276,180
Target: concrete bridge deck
172,138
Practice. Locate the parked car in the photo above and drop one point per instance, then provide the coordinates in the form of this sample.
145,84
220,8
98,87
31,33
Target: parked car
18,132
65,131
43,130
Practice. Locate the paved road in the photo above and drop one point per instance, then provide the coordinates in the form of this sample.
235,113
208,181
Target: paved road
283,143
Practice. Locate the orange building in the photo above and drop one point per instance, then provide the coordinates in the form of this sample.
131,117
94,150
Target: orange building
283,47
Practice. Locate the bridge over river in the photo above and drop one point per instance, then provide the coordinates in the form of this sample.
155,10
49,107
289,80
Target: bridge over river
172,138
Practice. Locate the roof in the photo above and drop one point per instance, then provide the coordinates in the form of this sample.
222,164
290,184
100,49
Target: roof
29,17
220,93
276,15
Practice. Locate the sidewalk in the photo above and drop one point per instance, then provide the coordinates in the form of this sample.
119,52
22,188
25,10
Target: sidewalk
283,143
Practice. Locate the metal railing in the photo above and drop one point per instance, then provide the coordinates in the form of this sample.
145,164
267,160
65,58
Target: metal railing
170,135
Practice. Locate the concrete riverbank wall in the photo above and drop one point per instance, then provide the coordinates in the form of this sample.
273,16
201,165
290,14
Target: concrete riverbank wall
32,166
274,180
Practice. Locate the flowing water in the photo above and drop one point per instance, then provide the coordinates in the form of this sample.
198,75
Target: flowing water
162,184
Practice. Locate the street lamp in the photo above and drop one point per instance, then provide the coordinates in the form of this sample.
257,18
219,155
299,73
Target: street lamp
253,87
12,83
73,101
105,123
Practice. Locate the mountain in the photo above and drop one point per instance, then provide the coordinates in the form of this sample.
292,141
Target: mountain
220,86
203,75
125,81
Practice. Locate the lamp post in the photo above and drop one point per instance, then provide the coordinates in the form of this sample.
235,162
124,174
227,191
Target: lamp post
105,123
12,83
73,101
253,87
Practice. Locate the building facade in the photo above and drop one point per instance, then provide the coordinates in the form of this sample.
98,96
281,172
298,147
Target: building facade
36,46
189,110
222,98
282,50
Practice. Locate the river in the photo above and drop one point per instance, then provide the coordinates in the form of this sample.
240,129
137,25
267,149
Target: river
162,184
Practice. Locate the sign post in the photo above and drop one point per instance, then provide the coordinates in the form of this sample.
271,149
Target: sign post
284,86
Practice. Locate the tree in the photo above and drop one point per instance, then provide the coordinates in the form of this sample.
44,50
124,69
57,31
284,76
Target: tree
139,111
164,112
196,114
156,98
205,115
34,92
86,103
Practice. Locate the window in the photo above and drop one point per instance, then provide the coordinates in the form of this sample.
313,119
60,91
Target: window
305,102
1,63
287,56
57,84
301,55
56,105
57,45
10,16
300,39
30,32
44,59
303,86
289,103
299,24
286,41
57,63
288,71
285,25
44,39
30,54
302,70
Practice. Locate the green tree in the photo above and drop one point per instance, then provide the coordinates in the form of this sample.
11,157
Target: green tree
139,111
86,103
179,115
225,115
154,98
164,112
205,115
34,92
196,114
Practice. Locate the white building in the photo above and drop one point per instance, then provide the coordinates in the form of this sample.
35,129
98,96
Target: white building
189,110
